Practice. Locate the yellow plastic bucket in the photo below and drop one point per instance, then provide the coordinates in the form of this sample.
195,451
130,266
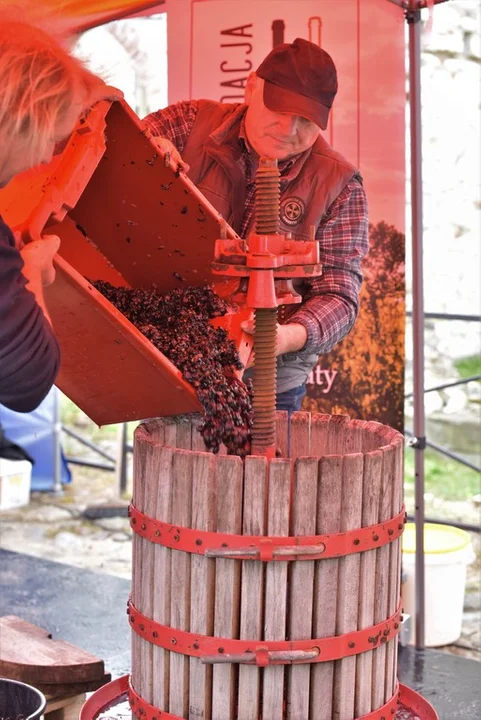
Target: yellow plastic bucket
447,553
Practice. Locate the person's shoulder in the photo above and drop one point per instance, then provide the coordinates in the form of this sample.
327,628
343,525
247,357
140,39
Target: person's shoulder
321,148
208,104
215,109
180,108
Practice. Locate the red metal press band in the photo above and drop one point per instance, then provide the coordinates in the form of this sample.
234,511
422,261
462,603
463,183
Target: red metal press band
202,542
263,652
144,711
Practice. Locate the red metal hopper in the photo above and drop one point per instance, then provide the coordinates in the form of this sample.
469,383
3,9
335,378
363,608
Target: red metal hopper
125,215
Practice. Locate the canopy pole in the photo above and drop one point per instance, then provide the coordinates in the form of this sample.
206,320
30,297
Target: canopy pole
413,18
412,10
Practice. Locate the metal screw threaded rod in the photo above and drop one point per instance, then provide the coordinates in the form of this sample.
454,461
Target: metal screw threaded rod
267,206
265,381
265,319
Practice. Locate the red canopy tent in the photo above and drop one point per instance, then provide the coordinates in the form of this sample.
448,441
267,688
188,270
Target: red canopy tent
80,15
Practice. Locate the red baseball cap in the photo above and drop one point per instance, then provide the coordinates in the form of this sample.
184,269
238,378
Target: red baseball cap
300,78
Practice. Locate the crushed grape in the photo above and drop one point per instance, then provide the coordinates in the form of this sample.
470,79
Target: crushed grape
177,323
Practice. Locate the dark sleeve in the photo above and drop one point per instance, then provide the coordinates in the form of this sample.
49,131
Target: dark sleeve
29,352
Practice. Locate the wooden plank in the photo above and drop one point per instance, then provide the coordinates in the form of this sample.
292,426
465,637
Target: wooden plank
358,435
399,464
162,467
141,439
300,435
202,582
385,435
394,565
348,586
184,432
22,626
65,708
370,513
252,583
337,435
382,576
153,430
146,596
29,654
69,689
182,462
301,583
170,432
197,439
319,434
276,586
142,448
325,583
229,474
373,440
282,433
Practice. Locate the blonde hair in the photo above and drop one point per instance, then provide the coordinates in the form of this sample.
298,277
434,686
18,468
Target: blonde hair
40,82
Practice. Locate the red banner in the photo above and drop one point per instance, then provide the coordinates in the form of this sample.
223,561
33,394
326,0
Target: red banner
214,44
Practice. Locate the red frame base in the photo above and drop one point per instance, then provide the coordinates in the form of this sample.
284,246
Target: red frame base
107,694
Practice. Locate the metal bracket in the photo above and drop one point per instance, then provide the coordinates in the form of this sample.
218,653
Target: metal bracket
417,443
262,657
413,16
266,551
406,627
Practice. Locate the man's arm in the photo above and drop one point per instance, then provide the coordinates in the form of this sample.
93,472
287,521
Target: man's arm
174,123
29,352
331,304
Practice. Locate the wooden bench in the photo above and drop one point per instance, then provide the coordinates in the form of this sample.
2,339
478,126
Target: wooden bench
61,671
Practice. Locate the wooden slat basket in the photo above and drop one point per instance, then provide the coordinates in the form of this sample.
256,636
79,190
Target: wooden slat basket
266,589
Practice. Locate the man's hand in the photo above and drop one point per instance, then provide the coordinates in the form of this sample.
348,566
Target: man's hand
167,148
290,338
38,258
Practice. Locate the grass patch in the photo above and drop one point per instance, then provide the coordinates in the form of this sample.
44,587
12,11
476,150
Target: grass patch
468,366
443,477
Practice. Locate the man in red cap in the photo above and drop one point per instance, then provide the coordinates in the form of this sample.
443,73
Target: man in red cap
287,104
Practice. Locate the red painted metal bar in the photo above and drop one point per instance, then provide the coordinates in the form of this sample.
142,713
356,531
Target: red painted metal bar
116,691
144,711
266,549
260,651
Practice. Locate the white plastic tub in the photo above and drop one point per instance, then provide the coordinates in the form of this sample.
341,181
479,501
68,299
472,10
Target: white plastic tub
447,552
15,481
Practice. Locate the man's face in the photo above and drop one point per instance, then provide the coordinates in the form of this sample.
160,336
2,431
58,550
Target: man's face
274,134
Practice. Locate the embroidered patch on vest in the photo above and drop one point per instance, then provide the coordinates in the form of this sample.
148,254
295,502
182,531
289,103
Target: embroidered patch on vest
292,210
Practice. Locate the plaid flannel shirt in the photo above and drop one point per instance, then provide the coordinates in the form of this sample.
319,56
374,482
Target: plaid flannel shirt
331,302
